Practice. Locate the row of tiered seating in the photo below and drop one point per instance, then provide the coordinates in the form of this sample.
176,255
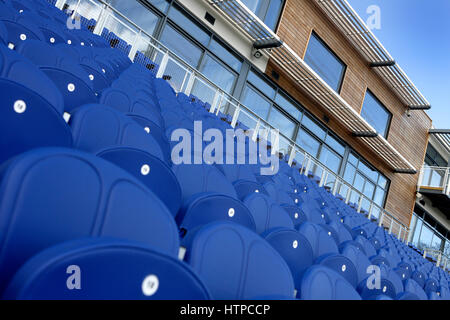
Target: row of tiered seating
88,187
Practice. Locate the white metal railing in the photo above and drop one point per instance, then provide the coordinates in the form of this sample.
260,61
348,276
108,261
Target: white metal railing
442,260
184,78
436,178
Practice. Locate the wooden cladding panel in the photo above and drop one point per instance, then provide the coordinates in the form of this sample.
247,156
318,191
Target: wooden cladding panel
407,134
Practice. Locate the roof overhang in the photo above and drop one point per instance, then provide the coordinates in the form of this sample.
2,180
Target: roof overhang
443,136
367,44
256,31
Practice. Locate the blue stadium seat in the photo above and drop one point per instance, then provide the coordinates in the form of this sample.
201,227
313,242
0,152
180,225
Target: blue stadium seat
411,286
71,194
3,34
295,250
71,79
30,116
111,129
208,207
109,270
266,213
151,171
322,283
236,264
196,179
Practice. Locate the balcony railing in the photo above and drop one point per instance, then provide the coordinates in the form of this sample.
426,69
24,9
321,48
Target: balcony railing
435,179
184,78
442,260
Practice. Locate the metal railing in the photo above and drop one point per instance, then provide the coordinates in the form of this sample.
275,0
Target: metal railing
435,178
184,78
442,260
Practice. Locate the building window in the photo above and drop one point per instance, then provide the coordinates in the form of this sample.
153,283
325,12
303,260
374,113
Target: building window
376,114
325,63
366,180
268,11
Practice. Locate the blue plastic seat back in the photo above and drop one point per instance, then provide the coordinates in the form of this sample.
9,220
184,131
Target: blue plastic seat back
244,188
322,283
359,259
205,208
321,242
343,233
109,269
151,171
69,77
155,131
341,265
15,67
3,34
267,213
368,248
413,287
195,179
110,128
237,264
295,250
237,172
431,285
19,26
71,194
296,214
121,101
369,289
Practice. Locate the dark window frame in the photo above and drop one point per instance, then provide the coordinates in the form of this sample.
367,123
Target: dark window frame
389,122
333,53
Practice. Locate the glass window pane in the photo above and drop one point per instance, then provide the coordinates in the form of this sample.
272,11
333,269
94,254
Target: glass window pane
273,13
288,106
380,195
436,243
259,83
417,232
353,159
181,46
375,114
282,123
218,74
253,5
382,182
368,172
189,26
256,102
162,5
227,57
349,175
308,143
330,159
337,146
324,62
139,14
369,189
426,237
313,127
359,182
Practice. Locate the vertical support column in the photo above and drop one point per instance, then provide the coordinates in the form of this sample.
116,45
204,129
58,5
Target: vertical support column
335,186
349,194
190,84
60,4
425,253
390,226
75,12
101,20
235,116
216,100
323,178
308,165
361,198
380,223
370,211
400,229
163,66
256,130
438,262
133,50
292,156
